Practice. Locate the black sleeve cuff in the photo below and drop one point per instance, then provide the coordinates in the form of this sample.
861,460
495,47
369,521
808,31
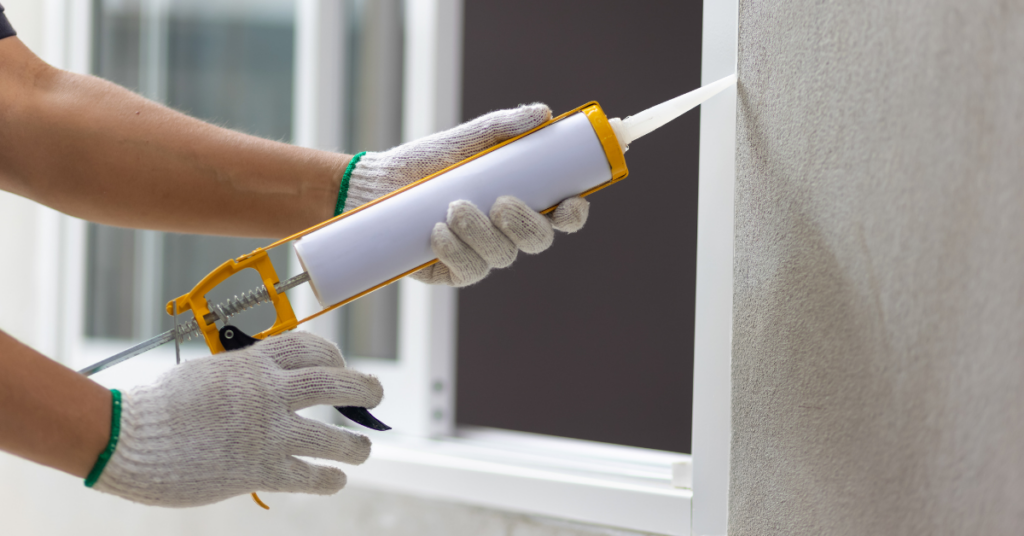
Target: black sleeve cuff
6,30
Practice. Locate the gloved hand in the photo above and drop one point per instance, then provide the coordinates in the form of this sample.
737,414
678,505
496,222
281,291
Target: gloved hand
469,244
225,425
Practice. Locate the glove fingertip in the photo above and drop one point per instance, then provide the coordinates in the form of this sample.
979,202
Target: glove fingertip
570,215
537,112
327,480
459,210
300,349
362,446
375,391
435,274
528,229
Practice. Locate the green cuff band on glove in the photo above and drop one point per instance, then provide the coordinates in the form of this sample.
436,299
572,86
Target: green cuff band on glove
345,178
115,433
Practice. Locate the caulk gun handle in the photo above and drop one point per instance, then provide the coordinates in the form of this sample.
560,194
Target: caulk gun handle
234,339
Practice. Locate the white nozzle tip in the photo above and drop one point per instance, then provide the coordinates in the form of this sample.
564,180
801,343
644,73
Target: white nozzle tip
645,122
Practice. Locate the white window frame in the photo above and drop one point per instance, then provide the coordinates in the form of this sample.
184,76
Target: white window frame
577,480
712,349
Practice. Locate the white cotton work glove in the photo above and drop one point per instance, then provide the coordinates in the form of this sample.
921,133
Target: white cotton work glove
225,425
469,244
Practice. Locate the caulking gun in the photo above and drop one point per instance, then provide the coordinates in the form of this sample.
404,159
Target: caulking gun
357,252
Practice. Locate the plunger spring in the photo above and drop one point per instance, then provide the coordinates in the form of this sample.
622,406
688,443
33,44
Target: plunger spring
224,311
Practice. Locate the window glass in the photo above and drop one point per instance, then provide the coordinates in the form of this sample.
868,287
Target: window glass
228,62
111,267
231,62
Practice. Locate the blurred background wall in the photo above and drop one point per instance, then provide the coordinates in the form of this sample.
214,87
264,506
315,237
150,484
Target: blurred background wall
878,363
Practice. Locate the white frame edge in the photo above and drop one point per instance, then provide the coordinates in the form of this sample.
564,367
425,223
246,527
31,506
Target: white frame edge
319,79
535,492
712,405
543,482
67,44
432,97
318,112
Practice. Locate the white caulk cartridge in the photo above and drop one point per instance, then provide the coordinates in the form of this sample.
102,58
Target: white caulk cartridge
575,154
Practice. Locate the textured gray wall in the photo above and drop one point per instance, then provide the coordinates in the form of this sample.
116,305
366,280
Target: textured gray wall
878,367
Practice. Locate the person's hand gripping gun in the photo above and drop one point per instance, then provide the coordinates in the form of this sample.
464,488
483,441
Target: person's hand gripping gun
225,425
470,243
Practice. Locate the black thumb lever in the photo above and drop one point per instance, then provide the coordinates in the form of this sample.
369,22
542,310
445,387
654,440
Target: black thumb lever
233,339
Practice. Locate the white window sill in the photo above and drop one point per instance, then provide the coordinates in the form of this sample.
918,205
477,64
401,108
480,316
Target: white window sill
624,487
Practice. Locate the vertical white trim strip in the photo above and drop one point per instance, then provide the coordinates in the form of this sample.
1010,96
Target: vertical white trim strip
420,80
448,96
55,29
319,80
433,67
46,253
46,274
60,253
78,45
432,101
318,111
79,40
712,407
74,234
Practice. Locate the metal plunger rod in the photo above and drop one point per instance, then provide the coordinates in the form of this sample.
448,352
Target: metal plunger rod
191,328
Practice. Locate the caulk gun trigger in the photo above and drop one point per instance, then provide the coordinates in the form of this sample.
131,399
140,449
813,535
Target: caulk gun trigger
234,339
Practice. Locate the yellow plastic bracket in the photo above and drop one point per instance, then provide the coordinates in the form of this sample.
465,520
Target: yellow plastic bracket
610,144
195,300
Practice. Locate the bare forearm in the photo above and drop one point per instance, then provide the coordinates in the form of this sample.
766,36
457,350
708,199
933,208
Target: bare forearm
97,151
48,413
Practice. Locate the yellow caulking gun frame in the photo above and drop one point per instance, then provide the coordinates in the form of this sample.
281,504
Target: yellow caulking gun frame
259,260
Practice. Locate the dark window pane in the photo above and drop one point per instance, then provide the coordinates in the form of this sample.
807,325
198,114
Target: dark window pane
592,339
